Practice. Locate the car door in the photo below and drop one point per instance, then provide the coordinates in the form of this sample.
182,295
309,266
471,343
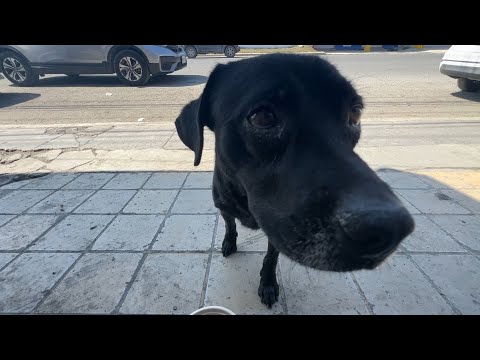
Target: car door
211,48
43,54
87,54
87,59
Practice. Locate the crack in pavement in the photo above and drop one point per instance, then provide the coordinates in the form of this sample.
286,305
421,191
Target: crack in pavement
88,162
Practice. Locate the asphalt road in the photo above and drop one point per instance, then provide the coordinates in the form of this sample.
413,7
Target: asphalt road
408,100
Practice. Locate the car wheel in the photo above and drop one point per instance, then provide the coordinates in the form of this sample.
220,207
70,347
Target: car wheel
17,69
230,51
191,52
468,85
131,68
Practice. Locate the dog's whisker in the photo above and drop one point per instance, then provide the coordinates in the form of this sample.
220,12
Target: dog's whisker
308,274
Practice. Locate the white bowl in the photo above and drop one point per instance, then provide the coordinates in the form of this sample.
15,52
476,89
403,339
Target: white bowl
213,310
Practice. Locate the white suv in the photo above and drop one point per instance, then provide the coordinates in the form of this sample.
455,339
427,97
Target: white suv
462,62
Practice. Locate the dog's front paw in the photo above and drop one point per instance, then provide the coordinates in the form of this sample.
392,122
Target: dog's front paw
228,248
268,293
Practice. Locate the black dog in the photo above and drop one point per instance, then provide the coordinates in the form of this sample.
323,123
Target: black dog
285,128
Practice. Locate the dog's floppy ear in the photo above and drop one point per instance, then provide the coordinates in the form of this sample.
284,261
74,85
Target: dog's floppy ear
190,128
195,116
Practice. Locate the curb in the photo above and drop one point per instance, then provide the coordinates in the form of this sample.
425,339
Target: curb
353,52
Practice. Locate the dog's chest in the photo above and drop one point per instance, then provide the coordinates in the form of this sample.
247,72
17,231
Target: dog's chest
229,199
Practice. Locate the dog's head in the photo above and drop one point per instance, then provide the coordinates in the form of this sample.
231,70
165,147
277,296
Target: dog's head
285,129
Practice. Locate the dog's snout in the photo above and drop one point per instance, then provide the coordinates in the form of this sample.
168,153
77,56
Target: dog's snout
376,233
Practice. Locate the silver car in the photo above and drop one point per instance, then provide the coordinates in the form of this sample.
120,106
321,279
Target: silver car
462,62
193,50
133,64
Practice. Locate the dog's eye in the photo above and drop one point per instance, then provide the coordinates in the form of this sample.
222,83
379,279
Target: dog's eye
355,115
262,118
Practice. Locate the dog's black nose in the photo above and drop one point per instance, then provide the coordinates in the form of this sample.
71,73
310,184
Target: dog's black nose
376,233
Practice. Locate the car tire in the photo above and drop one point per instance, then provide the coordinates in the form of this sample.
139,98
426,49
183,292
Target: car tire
468,85
230,51
17,69
131,68
191,52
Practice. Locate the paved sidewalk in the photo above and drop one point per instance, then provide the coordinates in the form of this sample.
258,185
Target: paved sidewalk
148,243
157,147
99,147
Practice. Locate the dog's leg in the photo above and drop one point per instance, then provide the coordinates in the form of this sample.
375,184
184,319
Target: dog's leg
268,289
229,245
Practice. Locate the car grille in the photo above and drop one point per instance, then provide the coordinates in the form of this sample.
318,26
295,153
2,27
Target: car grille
166,62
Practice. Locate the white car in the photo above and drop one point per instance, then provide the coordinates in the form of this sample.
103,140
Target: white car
462,62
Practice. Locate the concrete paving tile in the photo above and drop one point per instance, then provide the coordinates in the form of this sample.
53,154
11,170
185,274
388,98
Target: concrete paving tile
129,232
62,201
167,284
397,287
457,276
74,233
106,202
23,230
186,232
25,281
151,202
94,285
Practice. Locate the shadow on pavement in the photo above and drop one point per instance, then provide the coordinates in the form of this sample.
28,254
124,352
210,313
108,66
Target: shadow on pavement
10,99
171,80
472,96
